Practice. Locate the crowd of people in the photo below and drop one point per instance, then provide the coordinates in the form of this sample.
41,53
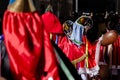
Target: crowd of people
28,51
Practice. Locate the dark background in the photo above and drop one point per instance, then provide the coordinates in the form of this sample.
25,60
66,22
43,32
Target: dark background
96,5
66,8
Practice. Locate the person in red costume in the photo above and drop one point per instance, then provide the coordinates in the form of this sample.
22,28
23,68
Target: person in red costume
77,46
27,40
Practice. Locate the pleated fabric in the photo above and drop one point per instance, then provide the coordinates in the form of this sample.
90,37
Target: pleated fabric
27,39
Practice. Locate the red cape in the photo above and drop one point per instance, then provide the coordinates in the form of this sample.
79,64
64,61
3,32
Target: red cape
28,44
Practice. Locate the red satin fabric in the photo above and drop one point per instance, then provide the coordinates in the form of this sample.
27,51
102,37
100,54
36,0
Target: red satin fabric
70,50
73,52
116,52
102,55
91,53
52,23
28,45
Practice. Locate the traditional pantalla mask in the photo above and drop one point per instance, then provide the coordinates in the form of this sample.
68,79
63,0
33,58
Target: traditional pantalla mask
68,27
73,31
86,21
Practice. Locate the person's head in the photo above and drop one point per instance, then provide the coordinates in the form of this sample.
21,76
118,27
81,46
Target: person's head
68,27
86,22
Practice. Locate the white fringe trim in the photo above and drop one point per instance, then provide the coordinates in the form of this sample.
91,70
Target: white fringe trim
97,52
90,71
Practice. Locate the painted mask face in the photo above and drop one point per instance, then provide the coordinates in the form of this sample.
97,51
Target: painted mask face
86,21
68,27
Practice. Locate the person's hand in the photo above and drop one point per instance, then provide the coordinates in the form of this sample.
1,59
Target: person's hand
109,37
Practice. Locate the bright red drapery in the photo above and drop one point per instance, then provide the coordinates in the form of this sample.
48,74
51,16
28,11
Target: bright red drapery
28,44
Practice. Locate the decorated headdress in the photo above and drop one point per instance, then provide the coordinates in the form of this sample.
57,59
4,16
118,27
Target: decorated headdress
84,20
73,31
68,27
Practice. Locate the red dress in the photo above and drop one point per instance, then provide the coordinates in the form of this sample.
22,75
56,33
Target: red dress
116,53
70,50
89,65
73,53
28,44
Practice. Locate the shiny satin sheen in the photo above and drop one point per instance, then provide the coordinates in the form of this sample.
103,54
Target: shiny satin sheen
28,44
73,52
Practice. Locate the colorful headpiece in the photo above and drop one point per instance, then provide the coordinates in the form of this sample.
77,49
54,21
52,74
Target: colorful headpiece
68,27
85,21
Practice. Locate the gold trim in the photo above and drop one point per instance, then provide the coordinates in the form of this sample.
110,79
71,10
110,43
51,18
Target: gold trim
74,62
22,6
51,36
86,53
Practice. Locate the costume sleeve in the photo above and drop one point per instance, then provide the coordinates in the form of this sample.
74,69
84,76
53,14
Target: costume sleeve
23,34
70,49
52,23
28,44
